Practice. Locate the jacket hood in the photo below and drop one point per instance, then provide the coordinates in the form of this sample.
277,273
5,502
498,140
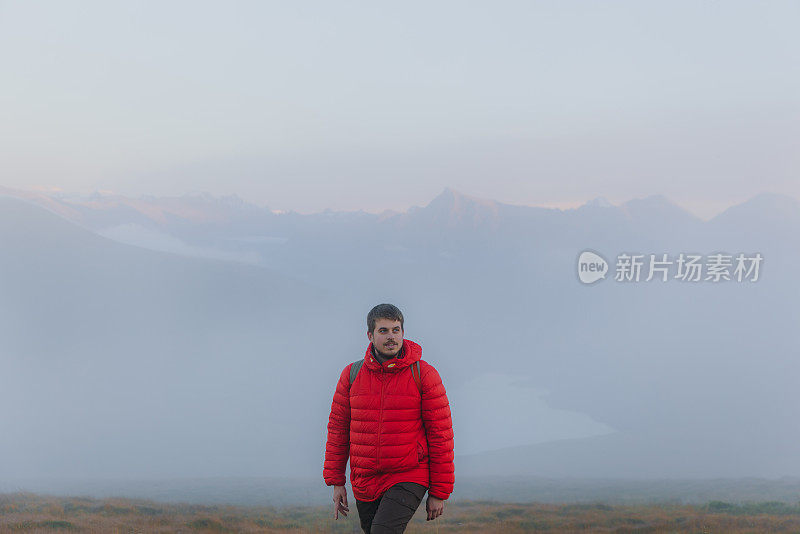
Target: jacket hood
412,352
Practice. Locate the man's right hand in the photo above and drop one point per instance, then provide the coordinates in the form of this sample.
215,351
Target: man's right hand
340,501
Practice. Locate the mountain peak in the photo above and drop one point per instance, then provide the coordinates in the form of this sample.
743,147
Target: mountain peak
454,208
764,206
450,199
769,200
599,202
656,206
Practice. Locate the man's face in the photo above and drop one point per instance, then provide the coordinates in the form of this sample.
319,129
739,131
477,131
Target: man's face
387,338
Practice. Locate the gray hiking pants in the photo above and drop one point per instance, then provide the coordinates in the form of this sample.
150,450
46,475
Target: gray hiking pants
391,512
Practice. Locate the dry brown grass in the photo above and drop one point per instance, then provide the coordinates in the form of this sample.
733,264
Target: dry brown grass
30,513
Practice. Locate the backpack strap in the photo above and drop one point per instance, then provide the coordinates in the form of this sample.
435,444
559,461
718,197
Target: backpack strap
354,369
416,374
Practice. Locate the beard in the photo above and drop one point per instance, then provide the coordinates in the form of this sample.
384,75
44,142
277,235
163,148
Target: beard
388,355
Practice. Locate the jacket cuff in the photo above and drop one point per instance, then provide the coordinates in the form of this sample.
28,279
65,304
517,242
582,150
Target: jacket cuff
442,496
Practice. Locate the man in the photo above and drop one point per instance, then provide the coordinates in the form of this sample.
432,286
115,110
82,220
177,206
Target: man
396,429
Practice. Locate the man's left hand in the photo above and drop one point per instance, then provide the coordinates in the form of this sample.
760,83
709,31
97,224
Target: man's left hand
435,507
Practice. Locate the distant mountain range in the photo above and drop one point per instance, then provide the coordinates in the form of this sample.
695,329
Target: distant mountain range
212,345
230,228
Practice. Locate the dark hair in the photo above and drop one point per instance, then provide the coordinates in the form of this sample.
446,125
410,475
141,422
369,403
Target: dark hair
383,311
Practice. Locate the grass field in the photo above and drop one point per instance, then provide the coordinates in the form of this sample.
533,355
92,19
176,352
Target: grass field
31,513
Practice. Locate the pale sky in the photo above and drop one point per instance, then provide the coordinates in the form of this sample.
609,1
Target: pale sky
377,105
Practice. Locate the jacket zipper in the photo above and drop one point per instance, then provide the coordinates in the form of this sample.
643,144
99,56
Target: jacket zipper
380,419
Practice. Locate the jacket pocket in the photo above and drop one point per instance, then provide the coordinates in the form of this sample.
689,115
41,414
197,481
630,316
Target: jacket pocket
420,452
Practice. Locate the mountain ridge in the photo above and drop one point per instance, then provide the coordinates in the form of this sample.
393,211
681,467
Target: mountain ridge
450,205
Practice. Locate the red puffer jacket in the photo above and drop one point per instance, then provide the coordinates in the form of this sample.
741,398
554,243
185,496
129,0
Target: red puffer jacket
390,432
